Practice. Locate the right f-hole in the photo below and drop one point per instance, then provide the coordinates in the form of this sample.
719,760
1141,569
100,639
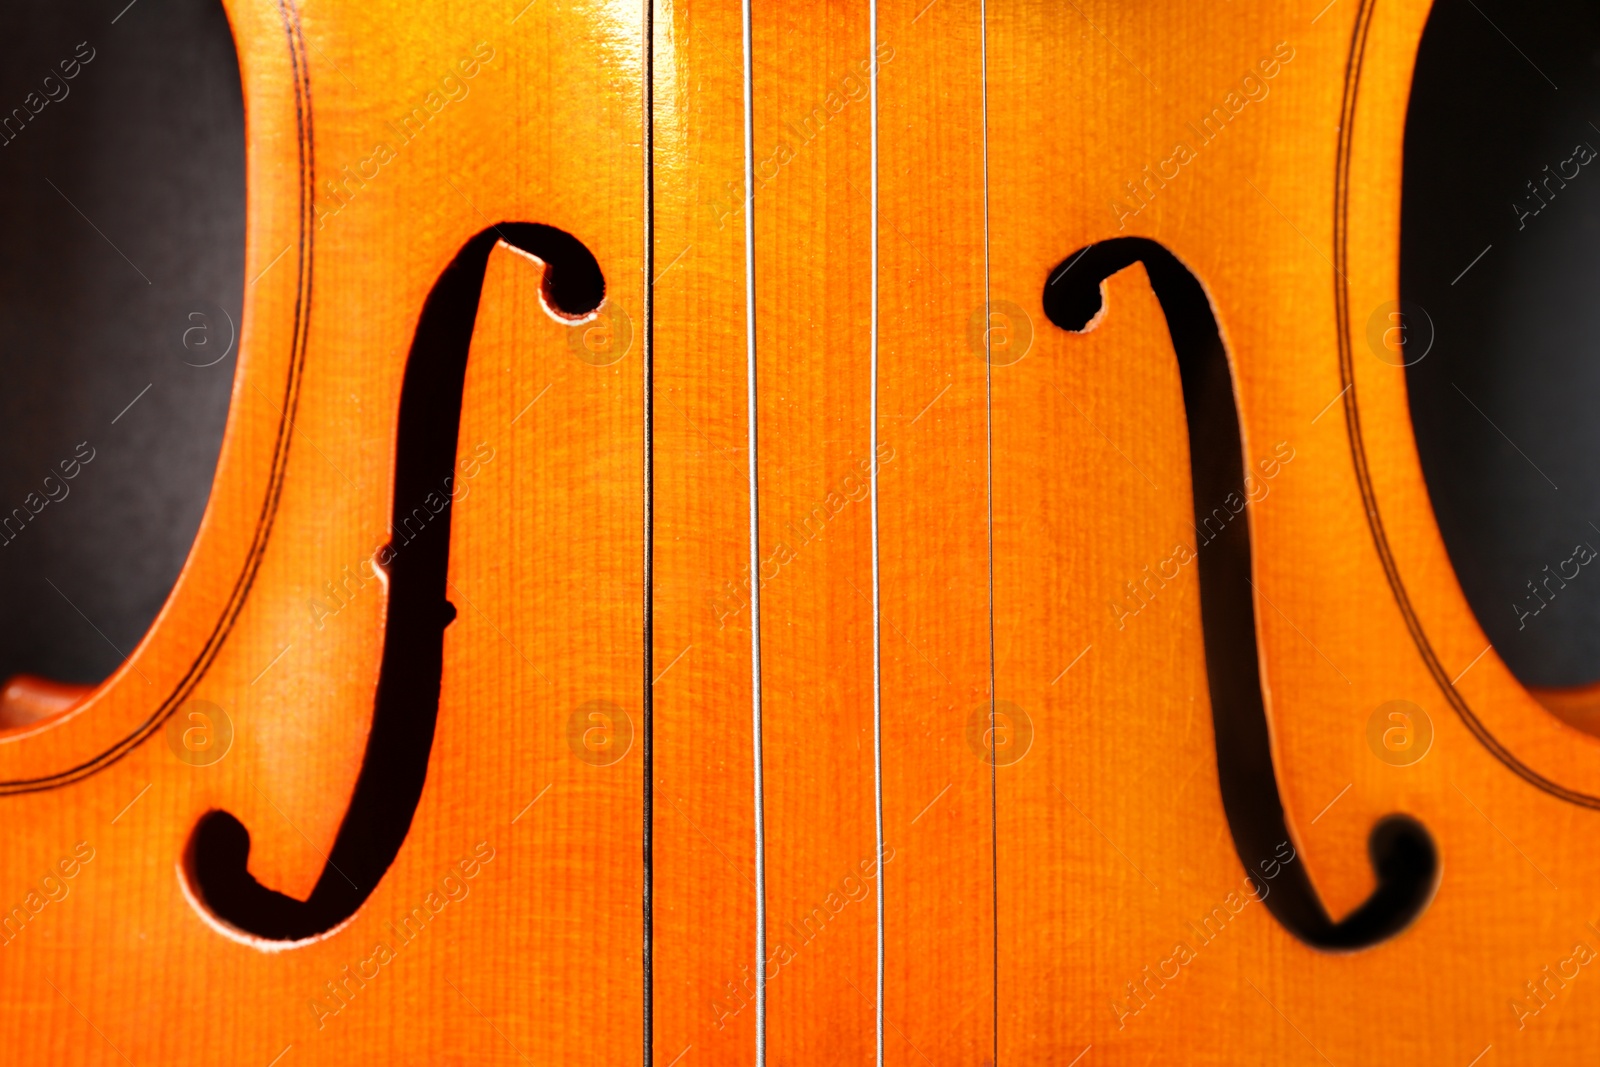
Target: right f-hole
1401,850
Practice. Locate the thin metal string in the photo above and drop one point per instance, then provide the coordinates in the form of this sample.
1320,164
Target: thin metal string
877,641
988,429
755,540
647,351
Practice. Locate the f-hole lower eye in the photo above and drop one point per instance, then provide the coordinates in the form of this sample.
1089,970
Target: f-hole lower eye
407,705
1401,851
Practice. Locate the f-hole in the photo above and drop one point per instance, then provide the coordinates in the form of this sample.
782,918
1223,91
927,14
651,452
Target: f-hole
406,708
1401,850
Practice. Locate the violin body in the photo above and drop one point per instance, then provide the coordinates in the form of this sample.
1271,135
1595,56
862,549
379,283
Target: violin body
1046,711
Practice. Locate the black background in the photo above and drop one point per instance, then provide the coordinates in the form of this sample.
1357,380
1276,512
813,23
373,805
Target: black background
1501,91
149,147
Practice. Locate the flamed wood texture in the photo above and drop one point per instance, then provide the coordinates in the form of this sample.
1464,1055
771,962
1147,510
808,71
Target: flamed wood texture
1076,898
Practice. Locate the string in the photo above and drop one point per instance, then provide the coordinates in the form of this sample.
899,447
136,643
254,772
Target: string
755,544
877,641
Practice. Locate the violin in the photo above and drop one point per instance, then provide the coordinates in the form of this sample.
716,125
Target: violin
882,533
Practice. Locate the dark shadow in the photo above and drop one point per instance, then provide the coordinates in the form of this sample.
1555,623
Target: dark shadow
122,192
1503,405
1402,852
418,558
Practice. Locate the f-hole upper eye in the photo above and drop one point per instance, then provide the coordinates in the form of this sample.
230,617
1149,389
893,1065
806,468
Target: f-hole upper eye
1499,265
121,280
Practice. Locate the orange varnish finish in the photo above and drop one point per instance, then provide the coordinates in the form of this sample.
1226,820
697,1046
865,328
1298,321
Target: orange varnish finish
1025,476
